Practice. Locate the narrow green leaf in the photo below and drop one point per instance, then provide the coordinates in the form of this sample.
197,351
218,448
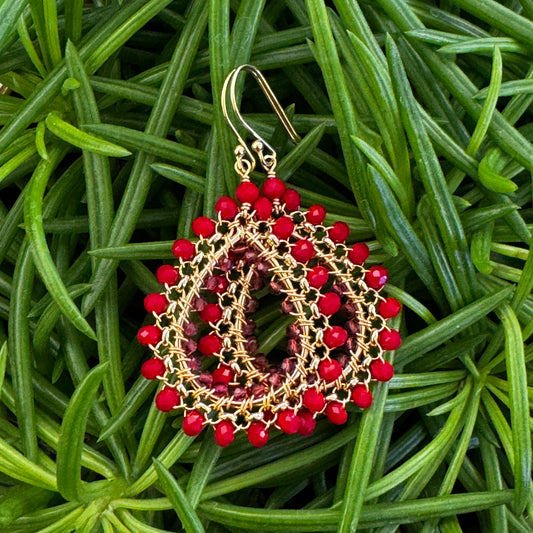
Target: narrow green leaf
181,176
376,515
41,253
362,462
516,371
188,517
343,110
73,19
40,142
19,345
28,46
9,14
72,436
432,336
85,141
294,159
203,467
489,106
438,196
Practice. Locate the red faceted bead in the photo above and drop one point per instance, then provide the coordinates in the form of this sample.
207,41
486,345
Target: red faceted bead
263,208
155,303
291,199
183,249
381,370
303,250
209,344
335,336
314,400
389,339
167,274
283,227
376,277
336,413
358,253
153,368
223,375
247,192
193,423
316,214
361,396
224,433
227,208
318,276
330,369
273,188
167,398
211,313
288,421
258,434
149,335
203,227
339,232
329,303
389,308
307,423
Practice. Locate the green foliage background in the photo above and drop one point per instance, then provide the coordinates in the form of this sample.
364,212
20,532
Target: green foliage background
417,127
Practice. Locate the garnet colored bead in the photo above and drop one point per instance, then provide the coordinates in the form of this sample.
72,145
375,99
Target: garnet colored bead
273,188
361,396
193,423
203,227
183,249
211,313
381,370
358,253
217,284
389,308
317,276
330,369
303,250
288,421
307,423
247,192
224,433
316,214
167,274
155,303
335,336
149,335
263,208
291,199
227,207
339,232
223,375
167,398
376,277
314,400
329,303
336,413
153,368
283,227
389,339
209,344
258,434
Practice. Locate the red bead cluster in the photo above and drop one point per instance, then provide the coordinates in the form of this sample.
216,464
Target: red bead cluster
273,203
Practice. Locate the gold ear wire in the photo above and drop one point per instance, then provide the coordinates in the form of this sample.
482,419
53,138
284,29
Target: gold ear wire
268,160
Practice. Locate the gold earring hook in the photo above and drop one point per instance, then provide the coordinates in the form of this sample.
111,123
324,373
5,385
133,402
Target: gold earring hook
268,161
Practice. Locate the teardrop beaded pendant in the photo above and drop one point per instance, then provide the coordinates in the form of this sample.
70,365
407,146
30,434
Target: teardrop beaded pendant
203,340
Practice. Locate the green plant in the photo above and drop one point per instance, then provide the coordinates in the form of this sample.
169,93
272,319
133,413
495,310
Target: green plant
416,127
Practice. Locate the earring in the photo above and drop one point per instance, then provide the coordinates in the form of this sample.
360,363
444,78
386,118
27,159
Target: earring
205,351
